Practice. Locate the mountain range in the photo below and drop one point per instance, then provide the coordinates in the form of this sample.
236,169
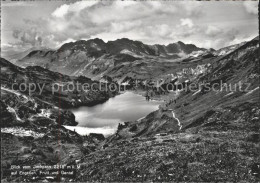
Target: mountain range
94,58
202,136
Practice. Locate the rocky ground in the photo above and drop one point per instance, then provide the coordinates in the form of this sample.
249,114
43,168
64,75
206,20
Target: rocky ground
33,134
205,156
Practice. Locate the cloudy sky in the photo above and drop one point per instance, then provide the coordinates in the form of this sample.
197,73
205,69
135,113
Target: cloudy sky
50,24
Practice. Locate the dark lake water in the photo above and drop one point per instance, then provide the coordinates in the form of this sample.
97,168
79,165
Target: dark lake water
104,118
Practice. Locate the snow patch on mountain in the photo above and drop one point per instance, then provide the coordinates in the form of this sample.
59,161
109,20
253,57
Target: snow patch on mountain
21,132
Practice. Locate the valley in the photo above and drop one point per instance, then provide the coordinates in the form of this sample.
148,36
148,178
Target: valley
195,134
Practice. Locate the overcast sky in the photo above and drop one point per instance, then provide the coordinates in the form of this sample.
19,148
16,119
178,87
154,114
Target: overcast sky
53,23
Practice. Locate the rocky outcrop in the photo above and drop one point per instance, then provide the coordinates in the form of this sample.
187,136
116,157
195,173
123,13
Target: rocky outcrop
8,118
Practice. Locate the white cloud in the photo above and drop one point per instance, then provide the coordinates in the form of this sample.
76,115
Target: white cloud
29,36
125,26
213,31
72,8
163,30
158,31
187,22
6,46
125,4
152,22
11,4
67,41
194,9
119,11
251,7
61,11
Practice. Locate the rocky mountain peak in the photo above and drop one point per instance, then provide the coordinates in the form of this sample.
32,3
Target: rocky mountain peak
93,57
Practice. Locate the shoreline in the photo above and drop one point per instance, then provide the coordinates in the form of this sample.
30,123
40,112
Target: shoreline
103,129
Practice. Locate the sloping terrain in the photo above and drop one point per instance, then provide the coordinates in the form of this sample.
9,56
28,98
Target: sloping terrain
32,131
52,87
207,135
